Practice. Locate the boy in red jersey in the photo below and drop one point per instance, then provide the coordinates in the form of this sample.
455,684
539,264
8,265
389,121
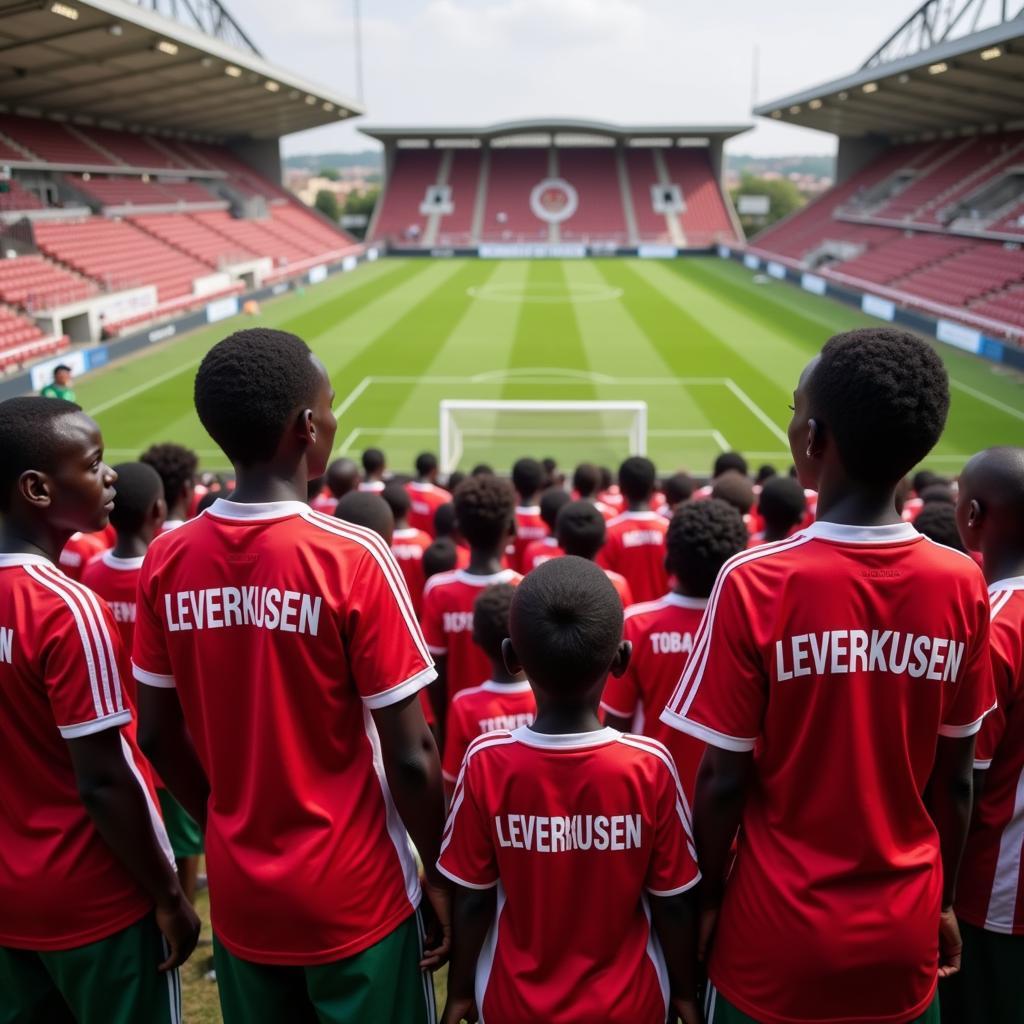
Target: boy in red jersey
83,854
280,663
407,543
635,543
485,511
540,551
177,468
80,550
425,494
586,484
702,537
854,656
527,479
569,843
504,701
342,476
782,508
375,465
580,529
990,894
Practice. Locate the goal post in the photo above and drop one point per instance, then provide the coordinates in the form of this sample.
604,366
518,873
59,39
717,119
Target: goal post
499,432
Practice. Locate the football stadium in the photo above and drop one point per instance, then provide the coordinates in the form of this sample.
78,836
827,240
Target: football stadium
512,607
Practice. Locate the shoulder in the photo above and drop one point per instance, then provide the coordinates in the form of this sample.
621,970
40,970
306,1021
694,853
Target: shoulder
467,696
486,747
765,559
341,538
635,613
951,560
54,596
649,752
440,580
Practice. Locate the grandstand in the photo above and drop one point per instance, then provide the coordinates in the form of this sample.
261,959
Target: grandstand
928,209
140,170
554,183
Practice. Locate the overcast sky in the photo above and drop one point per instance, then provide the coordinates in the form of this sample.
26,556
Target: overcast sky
631,61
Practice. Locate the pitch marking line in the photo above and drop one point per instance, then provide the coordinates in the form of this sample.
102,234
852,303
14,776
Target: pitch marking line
981,396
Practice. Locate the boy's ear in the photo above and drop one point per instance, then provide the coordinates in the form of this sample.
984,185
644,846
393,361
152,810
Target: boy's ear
305,427
975,514
508,652
35,488
621,660
815,439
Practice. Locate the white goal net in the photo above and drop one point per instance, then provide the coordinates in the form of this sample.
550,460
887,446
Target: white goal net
499,432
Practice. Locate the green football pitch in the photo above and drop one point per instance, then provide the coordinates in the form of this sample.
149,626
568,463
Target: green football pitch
713,351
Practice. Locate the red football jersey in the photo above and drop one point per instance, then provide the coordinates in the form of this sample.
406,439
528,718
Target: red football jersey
116,581
574,831
282,629
80,550
448,601
372,486
324,502
537,552
634,547
843,653
481,709
62,675
529,527
622,587
408,546
425,499
662,633
990,891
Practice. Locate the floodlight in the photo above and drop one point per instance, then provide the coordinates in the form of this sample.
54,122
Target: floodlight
938,69
166,46
870,87
65,11
232,72
991,53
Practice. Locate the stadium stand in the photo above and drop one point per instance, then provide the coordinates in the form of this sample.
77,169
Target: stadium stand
14,197
412,174
705,219
507,213
37,283
194,238
52,142
599,216
456,228
643,175
21,341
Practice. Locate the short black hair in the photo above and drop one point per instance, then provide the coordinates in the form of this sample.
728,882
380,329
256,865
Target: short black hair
924,478
566,625
735,488
580,529
482,469
484,510
455,479
62,366
937,521
29,438
782,503
606,477
176,465
938,492
248,389
490,618
440,556
426,463
586,480
369,510
678,488
398,500
139,487
551,503
883,394
527,477
373,461
765,472
729,460
637,477
444,519
701,538
341,477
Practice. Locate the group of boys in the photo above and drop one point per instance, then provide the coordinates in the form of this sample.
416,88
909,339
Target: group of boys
793,660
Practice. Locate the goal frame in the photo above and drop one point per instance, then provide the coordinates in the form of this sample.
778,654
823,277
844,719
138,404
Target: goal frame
450,454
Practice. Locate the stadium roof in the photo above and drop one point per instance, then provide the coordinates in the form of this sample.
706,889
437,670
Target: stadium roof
114,62
549,126
926,78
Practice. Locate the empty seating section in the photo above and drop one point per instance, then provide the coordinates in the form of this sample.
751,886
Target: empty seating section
414,171
507,216
888,262
993,156
16,329
123,191
599,215
1006,306
36,283
17,198
1011,222
321,235
253,235
705,220
21,341
187,192
980,269
120,255
650,225
463,179
194,238
51,141
133,150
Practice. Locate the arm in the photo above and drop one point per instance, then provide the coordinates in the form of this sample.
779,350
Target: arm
165,740
115,801
413,771
474,915
438,694
675,924
951,798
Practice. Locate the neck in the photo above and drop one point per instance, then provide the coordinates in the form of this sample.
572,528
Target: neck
555,719
485,561
402,524
850,503
178,511
258,484
21,537
771,533
640,506
130,546
684,591
1002,565
500,674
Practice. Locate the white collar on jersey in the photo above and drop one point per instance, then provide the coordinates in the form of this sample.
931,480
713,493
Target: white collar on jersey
650,514
520,686
172,524
565,741
896,533
505,576
1010,583
682,601
224,509
127,564
405,534
11,561
527,510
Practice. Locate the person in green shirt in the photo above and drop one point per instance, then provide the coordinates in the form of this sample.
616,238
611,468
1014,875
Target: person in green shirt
61,385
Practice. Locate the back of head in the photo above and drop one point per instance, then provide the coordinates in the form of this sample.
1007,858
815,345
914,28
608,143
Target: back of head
782,503
729,461
552,477
678,488
883,395
765,473
481,469
580,529
490,618
444,520
566,625
923,479
455,479
552,501
369,510
606,477
937,521
586,480
397,498
527,477
702,537
938,492
176,465
426,465
440,556
139,488
637,477
30,436
249,388
735,488
341,477
484,510
374,462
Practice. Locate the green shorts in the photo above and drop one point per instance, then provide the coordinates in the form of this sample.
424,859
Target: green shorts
989,987
182,830
718,1010
112,981
382,984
